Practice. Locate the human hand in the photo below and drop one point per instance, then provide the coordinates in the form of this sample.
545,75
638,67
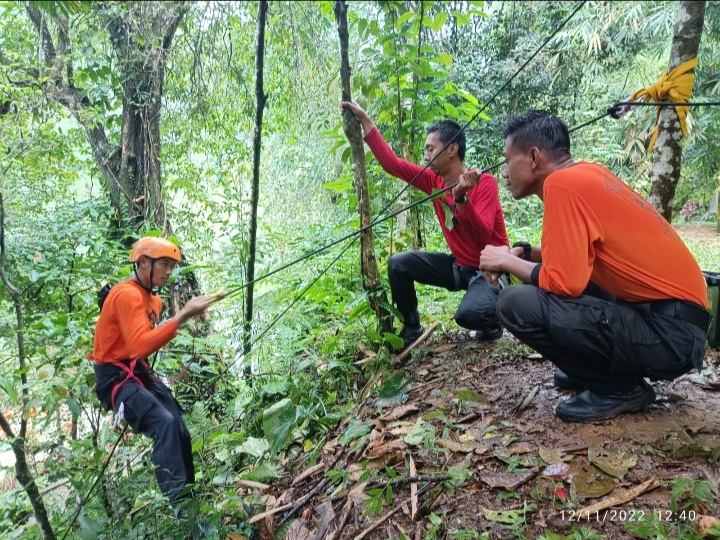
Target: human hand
467,181
354,108
492,259
195,306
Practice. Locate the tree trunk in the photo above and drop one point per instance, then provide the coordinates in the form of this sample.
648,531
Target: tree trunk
141,36
667,153
17,442
260,100
372,283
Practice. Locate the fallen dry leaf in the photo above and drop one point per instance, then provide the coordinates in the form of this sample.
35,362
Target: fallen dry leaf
708,526
249,484
621,497
297,531
459,447
510,481
308,473
391,446
550,455
399,412
557,471
413,490
590,484
356,469
610,462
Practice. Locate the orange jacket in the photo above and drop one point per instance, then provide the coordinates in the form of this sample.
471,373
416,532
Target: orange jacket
596,228
127,328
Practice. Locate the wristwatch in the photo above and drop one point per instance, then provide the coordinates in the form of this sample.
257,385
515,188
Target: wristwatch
459,200
527,249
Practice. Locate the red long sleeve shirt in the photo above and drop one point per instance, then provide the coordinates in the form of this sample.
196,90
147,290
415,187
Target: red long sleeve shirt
127,328
480,223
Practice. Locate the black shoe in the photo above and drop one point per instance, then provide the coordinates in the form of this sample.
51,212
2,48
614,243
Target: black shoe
409,334
589,407
565,382
487,334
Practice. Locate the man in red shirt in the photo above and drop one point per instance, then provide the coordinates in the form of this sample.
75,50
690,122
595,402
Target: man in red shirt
126,334
476,221
612,295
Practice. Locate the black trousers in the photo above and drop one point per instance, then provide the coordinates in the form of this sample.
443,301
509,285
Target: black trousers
606,344
477,308
153,411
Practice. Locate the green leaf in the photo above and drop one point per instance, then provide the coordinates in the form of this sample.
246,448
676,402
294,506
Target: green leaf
338,186
278,423
261,473
510,517
9,388
449,215
254,447
355,430
403,19
393,387
459,473
418,433
439,21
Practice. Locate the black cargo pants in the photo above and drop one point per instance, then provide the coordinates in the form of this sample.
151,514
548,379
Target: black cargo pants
477,308
603,343
152,410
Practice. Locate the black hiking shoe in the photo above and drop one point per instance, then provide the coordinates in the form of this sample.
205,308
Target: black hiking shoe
590,407
563,381
489,333
410,334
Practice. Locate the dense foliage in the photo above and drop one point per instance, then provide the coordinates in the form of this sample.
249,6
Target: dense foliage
413,62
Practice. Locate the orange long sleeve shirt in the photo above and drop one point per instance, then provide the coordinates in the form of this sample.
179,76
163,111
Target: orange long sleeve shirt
126,328
596,228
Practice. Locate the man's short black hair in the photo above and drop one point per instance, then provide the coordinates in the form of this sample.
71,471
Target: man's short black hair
450,131
541,129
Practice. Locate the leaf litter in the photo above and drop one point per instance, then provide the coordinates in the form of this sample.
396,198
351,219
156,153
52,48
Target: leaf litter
463,436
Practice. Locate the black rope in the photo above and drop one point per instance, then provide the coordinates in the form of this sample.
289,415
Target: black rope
488,103
99,476
356,233
376,221
280,315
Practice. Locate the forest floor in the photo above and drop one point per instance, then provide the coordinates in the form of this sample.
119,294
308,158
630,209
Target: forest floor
473,423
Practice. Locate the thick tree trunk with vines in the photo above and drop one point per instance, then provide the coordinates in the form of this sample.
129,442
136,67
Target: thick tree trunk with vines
17,441
260,100
372,281
667,153
141,36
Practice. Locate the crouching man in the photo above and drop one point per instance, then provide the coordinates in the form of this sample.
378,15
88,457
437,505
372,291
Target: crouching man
612,296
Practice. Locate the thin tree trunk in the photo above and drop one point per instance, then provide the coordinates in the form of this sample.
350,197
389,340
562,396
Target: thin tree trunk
260,100
372,282
667,153
17,442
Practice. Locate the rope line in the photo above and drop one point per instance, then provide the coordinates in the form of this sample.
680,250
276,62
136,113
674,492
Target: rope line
463,128
99,476
280,315
346,237
490,101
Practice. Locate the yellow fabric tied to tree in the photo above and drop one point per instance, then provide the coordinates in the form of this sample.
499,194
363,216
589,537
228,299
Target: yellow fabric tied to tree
675,86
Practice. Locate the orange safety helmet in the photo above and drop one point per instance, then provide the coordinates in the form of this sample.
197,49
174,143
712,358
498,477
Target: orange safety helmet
155,248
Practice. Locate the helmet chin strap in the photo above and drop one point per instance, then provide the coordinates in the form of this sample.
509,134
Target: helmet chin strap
150,290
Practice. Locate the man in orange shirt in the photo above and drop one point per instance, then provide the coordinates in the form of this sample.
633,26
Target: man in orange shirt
126,334
612,295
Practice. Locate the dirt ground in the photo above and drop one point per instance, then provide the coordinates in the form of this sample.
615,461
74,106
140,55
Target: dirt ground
474,424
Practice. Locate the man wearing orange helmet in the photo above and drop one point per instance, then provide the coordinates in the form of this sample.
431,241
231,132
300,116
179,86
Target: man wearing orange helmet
126,334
